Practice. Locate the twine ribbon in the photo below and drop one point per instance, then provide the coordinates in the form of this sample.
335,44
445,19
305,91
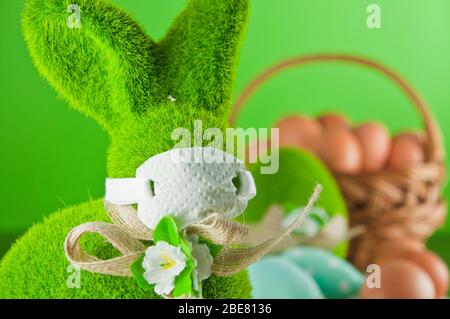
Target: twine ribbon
127,232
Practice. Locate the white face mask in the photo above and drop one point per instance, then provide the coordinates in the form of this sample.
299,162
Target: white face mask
187,183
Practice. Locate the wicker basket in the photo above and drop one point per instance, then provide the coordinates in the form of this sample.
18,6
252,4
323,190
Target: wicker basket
391,204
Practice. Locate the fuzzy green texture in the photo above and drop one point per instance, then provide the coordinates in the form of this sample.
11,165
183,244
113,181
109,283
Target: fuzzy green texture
292,185
110,70
36,266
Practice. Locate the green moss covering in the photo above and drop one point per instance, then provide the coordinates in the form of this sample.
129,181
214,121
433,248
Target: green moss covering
292,186
36,266
110,70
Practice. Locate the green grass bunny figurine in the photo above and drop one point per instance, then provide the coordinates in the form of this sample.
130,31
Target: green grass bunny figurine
139,91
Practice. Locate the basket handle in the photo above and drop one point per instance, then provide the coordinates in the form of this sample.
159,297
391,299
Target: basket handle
435,147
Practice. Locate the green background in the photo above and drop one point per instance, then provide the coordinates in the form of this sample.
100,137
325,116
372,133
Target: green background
52,156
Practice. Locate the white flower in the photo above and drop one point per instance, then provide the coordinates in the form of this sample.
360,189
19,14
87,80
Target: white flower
203,261
162,263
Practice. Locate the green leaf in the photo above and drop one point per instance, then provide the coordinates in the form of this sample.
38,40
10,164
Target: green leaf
138,274
167,231
186,248
183,282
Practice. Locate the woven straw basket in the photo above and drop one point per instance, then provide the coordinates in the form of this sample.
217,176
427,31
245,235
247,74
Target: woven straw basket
391,204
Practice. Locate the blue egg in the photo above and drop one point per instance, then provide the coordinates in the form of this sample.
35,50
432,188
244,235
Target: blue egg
336,277
279,278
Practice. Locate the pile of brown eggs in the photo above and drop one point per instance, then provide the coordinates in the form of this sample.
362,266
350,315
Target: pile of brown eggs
366,148
408,269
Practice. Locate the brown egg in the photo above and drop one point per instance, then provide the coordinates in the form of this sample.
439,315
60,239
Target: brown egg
390,249
418,136
428,261
401,279
406,151
298,131
340,150
333,119
375,145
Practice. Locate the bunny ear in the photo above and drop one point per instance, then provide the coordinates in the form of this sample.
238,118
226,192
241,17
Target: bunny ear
200,52
94,55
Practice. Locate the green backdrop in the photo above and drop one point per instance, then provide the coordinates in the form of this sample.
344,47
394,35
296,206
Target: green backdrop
52,156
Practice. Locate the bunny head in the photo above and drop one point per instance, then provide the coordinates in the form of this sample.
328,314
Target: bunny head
137,89
109,69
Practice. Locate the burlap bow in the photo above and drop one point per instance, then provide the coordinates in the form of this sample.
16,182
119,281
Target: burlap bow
127,232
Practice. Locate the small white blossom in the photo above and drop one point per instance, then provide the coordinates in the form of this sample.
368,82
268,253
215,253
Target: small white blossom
203,261
162,263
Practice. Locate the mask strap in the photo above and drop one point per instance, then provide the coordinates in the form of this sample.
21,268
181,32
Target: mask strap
247,187
127,191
